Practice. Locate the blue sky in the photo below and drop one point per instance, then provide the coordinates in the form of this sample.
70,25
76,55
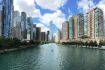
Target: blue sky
69,8
50,14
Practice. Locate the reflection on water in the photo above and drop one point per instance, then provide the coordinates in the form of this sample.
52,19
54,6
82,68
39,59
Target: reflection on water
53,57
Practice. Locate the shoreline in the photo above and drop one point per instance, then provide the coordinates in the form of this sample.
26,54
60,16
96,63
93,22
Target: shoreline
2,51
88,47
6,50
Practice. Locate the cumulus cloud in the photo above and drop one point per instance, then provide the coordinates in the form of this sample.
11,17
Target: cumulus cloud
85,5
56,18
43,27
50,4
102,6
27,6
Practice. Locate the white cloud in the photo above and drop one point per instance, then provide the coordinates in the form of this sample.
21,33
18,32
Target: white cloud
43,27
58,22
102,6
56,18
85,5
69,15
50,4
27,6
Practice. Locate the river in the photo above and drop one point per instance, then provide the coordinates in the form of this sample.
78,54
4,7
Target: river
53,57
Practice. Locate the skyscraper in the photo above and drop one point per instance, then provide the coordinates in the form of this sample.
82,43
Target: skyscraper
30,27
78,26
65,31
95,23
23,25
16,26
43,36
75,27
38,34
58,36
0,22
48,33
85,26
71,31
34,31
7,17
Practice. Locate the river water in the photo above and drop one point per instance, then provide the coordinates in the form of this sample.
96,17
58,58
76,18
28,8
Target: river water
53,57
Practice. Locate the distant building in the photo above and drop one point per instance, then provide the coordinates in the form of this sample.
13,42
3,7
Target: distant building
30,27
43,36
7,17
0,22
38,34
71,30
34,31
78,26
65,31
48,33
75,27
23,25
16,26
85,26
58,36
95,23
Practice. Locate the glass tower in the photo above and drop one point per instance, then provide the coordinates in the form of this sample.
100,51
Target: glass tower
71,28
23,25
30,27
7,17
16,26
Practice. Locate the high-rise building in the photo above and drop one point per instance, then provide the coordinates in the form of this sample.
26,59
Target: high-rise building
95,23
58,36
43,36
30,27
7,17
85,26
71,31
38,34
78,26
48,33
75,27
65,31
0,22
16,26
34,31
23,25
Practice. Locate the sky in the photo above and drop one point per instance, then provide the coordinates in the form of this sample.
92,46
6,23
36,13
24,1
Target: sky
50,14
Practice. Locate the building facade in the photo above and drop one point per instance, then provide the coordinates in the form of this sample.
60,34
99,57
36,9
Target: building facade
34,32
71,31
38,34
65,31
7,18
48,33
0,22
16,26
95,23
30,27
43,36
80,25
23,25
